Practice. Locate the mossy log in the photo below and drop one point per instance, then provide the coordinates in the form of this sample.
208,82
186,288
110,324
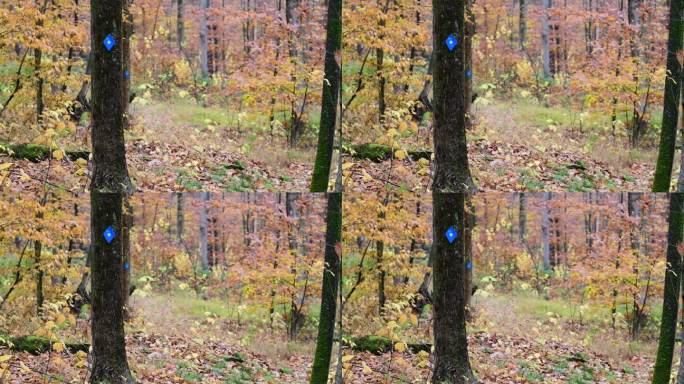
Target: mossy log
36,345
381,152
378,345
36,152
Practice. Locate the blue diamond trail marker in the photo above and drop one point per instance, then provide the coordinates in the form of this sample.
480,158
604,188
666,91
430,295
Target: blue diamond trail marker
451,42
127,74
109,234
109,42
469,265
127,266
469,73
451,234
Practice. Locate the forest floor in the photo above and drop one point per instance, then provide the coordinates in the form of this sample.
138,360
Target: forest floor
177,146
522,146
196,341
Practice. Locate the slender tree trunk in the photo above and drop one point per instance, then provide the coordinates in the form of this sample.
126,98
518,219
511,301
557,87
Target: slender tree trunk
668,323
468,259
203,231
546,54
180,24
40,298
522,23
382,299
180,215
329,100
452,173
452,364
203,35
331,276
546,241
668,132
522,216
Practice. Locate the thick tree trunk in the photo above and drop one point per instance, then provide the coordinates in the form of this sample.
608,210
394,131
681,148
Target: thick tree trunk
329,100
331,276
668,131
109,185
452,173
204,231
668,323
451,344
203,35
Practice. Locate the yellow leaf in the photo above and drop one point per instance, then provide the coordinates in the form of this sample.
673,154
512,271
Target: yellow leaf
58,347
347,358
365,176
60,319
81,162
401,154
347,165
4,166
58,154
81,355
366,369
400,346
4,358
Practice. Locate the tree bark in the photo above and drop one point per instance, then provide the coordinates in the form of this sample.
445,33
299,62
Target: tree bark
331,276
546,241
329,100
452,364
180,24
546,54
452,173
668,323
522,216
203,231
668,131
203,34
522,24
180,216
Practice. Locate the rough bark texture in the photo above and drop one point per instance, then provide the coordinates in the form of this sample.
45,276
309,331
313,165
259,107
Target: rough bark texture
109,186
451,344
329,100
109,153
522,23
668,131
109,346
545,235
452,173
668,324
331,275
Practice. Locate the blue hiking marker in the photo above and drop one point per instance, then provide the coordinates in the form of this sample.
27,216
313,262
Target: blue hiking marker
127,74
469,265
127,266
451,42
109,42
469,73
451,234
109,234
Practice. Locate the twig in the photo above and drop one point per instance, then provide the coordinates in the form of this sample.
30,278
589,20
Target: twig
17,83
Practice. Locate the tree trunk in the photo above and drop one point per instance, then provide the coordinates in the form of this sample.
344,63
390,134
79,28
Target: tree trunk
668,132
468,259
180,25
180,215
668,323
40,298
522,23
331,276
382,299
203,231
109,185
451,153
522,216
546,243
546,54
329,100
203,32
451,344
